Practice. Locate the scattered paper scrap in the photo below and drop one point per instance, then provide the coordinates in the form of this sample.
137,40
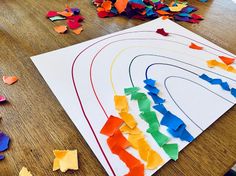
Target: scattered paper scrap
2,99
195,46
78,31
60,29
4,141
131,90
214,63
162,32
128,119
65,160
147,9
2,157
71,15
9,79
227,60
24,172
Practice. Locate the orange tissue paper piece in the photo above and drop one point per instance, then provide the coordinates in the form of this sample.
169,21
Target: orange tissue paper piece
215,63
100,9
153,160
120,5
121,103
162,12
227,60
128,119
126,129
78,30
196,47
117,140
9,79
65,13
60,29
111,126
107,5
136,171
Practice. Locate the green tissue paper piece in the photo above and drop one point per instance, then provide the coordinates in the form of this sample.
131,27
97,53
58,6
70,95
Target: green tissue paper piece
150,117
144,105
153,127
138,96
131,90
160,138
57,18
171,150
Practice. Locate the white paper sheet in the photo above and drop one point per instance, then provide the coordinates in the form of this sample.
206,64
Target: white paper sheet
76,73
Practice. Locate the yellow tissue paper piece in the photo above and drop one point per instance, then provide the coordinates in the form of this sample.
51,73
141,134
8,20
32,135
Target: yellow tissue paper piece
177,8
126,129
215,63
134,138
24,172
121,103
65,159
153,160
143,149
128,119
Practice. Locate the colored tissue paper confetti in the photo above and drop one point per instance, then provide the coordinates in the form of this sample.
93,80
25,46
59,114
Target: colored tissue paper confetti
111,126
150,82
146,9
128,159
181,133
126,129
2,99
171,121
134,138
60,29
160,108
195,46
224,85
78,31
128,119
117,142
65,160
214,63
24,172
121,103
151,89
131,90
57,18
233,92
162,32
153,160
136,171
71,15
156,98
159,137
2,157
203,0
227,60
149,117
171,150
4,141
9,79
144,104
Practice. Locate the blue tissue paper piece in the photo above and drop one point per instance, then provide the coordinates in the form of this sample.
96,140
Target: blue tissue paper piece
225,86
216,81
4,141
233,92
181,133
151,89
150,82
171,121
157,100
2,157
186,136
161,108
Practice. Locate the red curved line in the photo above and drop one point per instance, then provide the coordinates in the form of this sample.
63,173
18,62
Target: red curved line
78,97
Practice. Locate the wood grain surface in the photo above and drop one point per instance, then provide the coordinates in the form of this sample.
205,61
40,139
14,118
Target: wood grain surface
36,122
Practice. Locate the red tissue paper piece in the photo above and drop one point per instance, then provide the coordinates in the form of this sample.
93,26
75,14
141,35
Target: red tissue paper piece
51,14
73,24
111,126
227,60
162,32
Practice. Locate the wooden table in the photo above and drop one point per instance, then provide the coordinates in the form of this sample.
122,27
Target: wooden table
36,122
